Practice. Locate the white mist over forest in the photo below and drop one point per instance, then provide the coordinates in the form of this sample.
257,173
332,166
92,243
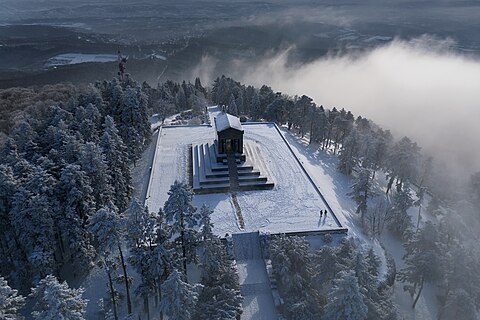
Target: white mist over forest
418,88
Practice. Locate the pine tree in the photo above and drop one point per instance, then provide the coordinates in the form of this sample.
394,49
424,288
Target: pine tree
10,302
108,229
345,300
141,237
179,298
348,154
180,213
207,225
362,190
13,261
421,261
116,158
181,100
132,121
319,123
240,103
218,303
75,192
255,107
376,217
220,297
459,305
294,273
326,266
92,161
402,162
232,106
400,222
31,216
55,300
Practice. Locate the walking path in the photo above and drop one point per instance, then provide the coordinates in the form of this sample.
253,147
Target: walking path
254,283
232,172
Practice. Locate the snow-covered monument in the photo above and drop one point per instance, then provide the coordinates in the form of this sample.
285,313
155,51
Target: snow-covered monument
229,133
228,163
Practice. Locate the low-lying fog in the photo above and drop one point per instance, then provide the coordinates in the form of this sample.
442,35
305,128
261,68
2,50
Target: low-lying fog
419,88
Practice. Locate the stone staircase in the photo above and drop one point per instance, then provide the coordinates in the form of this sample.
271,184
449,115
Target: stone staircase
211,176
232,170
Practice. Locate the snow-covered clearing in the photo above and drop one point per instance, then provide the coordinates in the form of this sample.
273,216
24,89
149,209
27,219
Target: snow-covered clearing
293,205
76,58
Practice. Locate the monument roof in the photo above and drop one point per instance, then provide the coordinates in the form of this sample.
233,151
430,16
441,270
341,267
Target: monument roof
225,121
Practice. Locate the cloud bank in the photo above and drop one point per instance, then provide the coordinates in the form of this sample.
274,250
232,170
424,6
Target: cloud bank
418,88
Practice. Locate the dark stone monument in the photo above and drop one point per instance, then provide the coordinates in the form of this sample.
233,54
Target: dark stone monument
229,133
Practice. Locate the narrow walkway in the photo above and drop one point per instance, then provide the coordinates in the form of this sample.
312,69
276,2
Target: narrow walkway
254,283
232,172
238,211
233,177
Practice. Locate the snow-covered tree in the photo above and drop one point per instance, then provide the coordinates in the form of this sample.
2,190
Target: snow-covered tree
54,300
179,298
232,106
10,302
140,225
116,158
75,193
92,161
319,125
376,217
255,107
422,261
402,162
346,254
291,263
108,229
218,303
31,216
459,305
148,254
362,190
348,157
129,110
293,270
399,221
345,300
180,213
12,258
220,298
342,126
326,267
240,103
207,225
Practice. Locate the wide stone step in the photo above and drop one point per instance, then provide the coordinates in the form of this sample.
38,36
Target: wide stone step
214,181
252,179
219,174
214,188
248,173
246,186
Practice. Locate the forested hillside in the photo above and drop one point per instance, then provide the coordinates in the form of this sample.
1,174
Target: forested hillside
66,209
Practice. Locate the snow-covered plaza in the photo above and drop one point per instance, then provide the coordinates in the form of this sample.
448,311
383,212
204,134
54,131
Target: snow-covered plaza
293,205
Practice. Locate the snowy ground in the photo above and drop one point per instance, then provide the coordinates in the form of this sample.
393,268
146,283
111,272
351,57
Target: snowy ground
76,58
293,205
334,185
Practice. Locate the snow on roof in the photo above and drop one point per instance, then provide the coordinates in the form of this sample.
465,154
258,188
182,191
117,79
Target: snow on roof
225,121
